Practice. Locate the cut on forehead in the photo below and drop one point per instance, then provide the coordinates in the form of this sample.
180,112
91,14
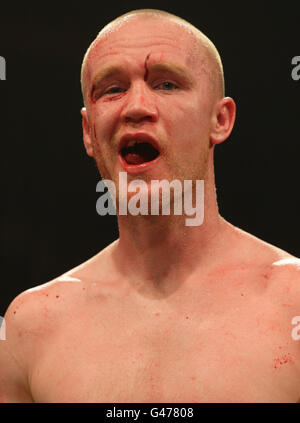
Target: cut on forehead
211,64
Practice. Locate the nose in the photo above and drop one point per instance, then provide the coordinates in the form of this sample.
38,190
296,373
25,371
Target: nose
139,106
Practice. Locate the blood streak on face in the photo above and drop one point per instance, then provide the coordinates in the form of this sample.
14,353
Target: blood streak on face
146,68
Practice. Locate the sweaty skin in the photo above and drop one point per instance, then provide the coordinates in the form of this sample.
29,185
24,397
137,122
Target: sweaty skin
166,313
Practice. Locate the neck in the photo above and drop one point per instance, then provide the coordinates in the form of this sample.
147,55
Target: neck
160,252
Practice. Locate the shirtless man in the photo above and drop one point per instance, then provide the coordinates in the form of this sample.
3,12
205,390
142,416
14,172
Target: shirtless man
168,312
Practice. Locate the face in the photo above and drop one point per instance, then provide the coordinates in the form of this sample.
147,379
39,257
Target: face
149,103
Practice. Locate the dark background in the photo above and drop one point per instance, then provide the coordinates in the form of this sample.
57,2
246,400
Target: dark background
49,222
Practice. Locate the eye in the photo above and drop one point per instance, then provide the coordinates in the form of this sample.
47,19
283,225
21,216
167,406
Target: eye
166,85
113,90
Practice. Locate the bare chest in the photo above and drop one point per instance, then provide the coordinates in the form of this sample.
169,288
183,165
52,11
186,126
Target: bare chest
241,356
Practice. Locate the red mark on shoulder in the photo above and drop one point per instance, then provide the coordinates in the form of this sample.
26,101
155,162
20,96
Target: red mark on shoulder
266,275
57,296
15,312
284,359
146,68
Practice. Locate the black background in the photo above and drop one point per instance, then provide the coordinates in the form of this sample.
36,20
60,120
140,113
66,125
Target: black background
49,222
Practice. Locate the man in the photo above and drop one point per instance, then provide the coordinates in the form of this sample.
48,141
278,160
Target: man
168,312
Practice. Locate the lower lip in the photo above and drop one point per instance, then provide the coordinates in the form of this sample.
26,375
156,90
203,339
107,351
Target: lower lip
133,169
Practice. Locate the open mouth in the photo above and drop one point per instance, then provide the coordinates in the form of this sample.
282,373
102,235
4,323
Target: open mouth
139,152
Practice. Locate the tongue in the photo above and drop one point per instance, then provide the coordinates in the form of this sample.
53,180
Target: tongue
134,158
139,153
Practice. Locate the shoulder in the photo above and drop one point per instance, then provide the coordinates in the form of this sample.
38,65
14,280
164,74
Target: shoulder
38,309
35,310
27,326
286,271
288,264
272,262
280,272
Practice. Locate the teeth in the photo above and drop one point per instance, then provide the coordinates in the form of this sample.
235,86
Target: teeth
131,143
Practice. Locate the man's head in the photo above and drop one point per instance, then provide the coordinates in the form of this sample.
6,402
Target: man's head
213,64
149,72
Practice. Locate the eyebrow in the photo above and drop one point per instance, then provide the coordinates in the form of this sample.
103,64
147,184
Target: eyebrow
113,70
178,70
106,73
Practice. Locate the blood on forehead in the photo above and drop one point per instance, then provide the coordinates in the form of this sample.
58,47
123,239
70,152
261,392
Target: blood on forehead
146,67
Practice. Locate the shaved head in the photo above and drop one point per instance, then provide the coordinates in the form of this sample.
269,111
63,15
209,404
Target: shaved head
210,64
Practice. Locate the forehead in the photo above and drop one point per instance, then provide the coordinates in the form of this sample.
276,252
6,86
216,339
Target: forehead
139,37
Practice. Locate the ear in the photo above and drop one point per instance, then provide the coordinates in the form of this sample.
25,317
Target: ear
87,140
223,120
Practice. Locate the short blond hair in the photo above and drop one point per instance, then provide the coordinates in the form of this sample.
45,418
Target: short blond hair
215,73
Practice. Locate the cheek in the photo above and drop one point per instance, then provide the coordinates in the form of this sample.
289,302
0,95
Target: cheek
104,120
186,120
176,118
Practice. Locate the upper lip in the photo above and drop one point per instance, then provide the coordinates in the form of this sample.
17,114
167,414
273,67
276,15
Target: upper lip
139,137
